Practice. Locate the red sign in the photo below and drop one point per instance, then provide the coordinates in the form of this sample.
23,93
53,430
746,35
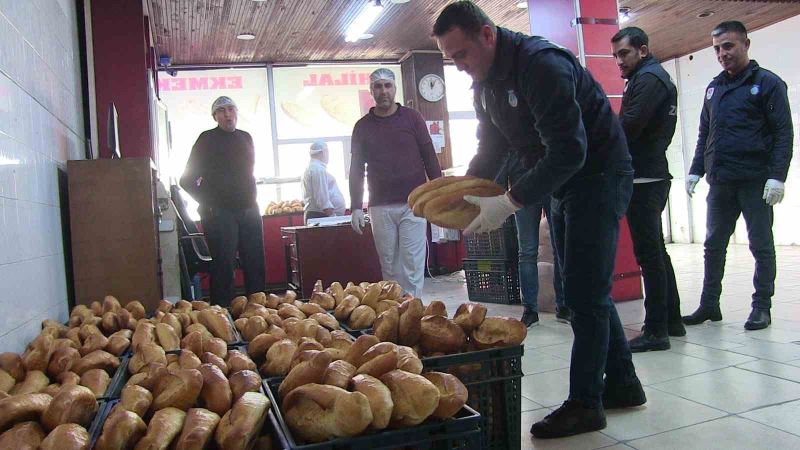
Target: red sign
345,79
199,83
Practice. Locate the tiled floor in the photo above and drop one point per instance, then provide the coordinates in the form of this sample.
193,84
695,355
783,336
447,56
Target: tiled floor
718,387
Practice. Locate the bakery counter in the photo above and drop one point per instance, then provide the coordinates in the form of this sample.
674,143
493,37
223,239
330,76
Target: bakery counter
328,253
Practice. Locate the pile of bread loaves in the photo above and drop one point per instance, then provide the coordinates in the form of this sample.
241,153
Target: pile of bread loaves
286,207
48,394
374,386
358,305
441,201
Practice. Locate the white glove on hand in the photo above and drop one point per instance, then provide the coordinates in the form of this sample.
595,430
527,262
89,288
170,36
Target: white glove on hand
691,182
357,221
773,192
494,211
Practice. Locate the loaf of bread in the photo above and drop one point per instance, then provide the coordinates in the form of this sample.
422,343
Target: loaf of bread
361,317
239,427
198,430
316,412
12,363
188,360
118,343
469,316
146,354
164,427
178,390
359,346
72,404
346,307
433,185
452,211
34,381
371,296
279,358
339,374
311,371
415,398
325,320
436,308
452,394
22,436
326,301
62,360
216,393
37,355
408,360
287,310
441,335
167,337
408,331
242,382
7,382
136,309
98,359
210,358
499,332
97,380
378,359
93,342
145,334
122,430
218,324
310,309
237,361
136,399
21,408
379,397
387,324
419,197
68,436
68,378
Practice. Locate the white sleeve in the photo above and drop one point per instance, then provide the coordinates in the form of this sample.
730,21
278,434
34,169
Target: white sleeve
319,183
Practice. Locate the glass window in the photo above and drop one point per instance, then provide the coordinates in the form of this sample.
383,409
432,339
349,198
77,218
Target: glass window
463,124
459,89
294,160
464,141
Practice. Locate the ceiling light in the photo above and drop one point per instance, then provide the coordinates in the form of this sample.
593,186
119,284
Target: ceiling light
246,36
705,14
523,4
363,21
398,2
624,14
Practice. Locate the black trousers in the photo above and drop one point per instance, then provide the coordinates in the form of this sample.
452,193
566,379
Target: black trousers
662,302
228,231
725,203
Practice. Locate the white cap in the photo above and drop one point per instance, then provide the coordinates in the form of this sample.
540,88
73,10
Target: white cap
381,74
318,147
222,102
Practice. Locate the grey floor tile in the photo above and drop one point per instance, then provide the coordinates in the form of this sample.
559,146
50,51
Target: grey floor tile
769,350
562,351
529,405
784,417
729,433
587,441
709,354
778,370
732,390
662,412
548,388
535,361
657,367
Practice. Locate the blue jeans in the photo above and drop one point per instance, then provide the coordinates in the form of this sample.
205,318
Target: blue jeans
527,220
586,215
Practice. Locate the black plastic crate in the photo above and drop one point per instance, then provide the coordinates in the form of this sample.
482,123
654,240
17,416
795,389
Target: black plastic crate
494,379
492,280
118,380
355,332
461,432
96,427
500,243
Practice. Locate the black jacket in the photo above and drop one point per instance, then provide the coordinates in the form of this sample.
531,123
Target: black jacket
539,101
648,115
745,129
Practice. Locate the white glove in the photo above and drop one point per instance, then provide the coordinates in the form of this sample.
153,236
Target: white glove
494,211
357,221
773,192
691,182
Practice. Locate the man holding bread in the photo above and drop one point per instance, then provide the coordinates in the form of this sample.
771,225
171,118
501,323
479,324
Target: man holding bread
534,98
393,143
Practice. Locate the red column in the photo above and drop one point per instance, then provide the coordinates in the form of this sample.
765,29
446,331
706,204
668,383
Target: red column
121,69
586,28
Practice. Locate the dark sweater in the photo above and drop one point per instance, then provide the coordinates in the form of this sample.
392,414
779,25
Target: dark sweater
398,153
219,173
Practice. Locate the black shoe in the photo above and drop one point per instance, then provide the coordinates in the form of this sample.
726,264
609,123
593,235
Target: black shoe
702,314
568,420
530,318
676,328
758,320
623,396
564,315
648,342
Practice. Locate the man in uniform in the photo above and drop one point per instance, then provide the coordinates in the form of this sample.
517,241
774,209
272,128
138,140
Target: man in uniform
532,97
648,115
321,194
744,148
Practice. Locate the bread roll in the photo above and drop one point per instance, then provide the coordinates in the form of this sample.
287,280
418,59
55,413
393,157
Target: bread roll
346,307
188,360
253,327
62,361
198,430
371,296
216,346
499,332
361,317
378,359
451,188
136,309
167,337
179,390
117,344
415,398
96,380
469,316
22,436
109,323
164,427
387,324
408,360
196,326
239,303
237,361
242,382
436,308
359,346
326,320
310,309
51,389
6,381
145,334
19,408
98,359
12,363
316,412
218,324
452,211
356,291
279,358
286,310
122,430
34,382
257,348
146,354
339,374
441,335
68,378
93,342
37,355
408,331
311,371
433,185
72,404
385,305
239,427
136,399
326,301
68,436
452,394
210,358
379,397
216,393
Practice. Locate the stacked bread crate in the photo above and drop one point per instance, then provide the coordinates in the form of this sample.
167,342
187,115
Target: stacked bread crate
491,265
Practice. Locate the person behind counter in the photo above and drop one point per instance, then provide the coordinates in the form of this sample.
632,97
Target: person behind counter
219,175
320,192
394,143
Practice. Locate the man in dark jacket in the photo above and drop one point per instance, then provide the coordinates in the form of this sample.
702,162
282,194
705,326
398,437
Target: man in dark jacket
533,98
648,116
744,148
219,175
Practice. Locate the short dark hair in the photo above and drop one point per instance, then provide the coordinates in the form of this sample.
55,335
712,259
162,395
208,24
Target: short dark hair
636,36
731,26
462,14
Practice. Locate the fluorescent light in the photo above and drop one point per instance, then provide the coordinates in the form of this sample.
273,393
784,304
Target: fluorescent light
523,4
363,21
246,36
624,14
